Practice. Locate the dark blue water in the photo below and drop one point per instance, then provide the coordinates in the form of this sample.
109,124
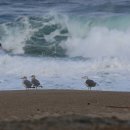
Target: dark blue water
11,9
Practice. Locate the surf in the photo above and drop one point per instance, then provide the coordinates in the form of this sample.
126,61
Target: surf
63,36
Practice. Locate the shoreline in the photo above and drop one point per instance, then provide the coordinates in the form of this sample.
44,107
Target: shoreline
82,90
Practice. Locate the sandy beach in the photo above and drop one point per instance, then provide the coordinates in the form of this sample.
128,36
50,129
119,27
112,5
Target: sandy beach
64,109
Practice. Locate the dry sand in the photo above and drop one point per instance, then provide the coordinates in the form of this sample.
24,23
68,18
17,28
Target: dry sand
64,110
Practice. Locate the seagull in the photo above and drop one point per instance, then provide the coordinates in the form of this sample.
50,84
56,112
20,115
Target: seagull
89,83
26,82
35,82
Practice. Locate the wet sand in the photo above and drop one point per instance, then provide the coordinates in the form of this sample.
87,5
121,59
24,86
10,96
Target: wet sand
64,109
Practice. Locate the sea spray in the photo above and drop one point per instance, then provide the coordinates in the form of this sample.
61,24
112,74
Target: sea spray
72,37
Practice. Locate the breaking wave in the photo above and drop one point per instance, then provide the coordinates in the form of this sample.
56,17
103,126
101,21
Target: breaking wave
62,36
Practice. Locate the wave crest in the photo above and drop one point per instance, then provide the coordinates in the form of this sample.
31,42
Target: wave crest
59,35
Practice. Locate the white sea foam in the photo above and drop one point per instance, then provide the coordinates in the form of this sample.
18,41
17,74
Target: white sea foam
98,42
107,50
65,73
14,37
85,38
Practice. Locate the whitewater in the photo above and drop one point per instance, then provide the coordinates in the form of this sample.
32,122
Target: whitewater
62,41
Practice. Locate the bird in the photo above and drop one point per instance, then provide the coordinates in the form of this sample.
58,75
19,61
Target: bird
35,82
26,82
90,83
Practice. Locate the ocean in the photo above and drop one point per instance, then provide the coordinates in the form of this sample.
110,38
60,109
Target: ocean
60,41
